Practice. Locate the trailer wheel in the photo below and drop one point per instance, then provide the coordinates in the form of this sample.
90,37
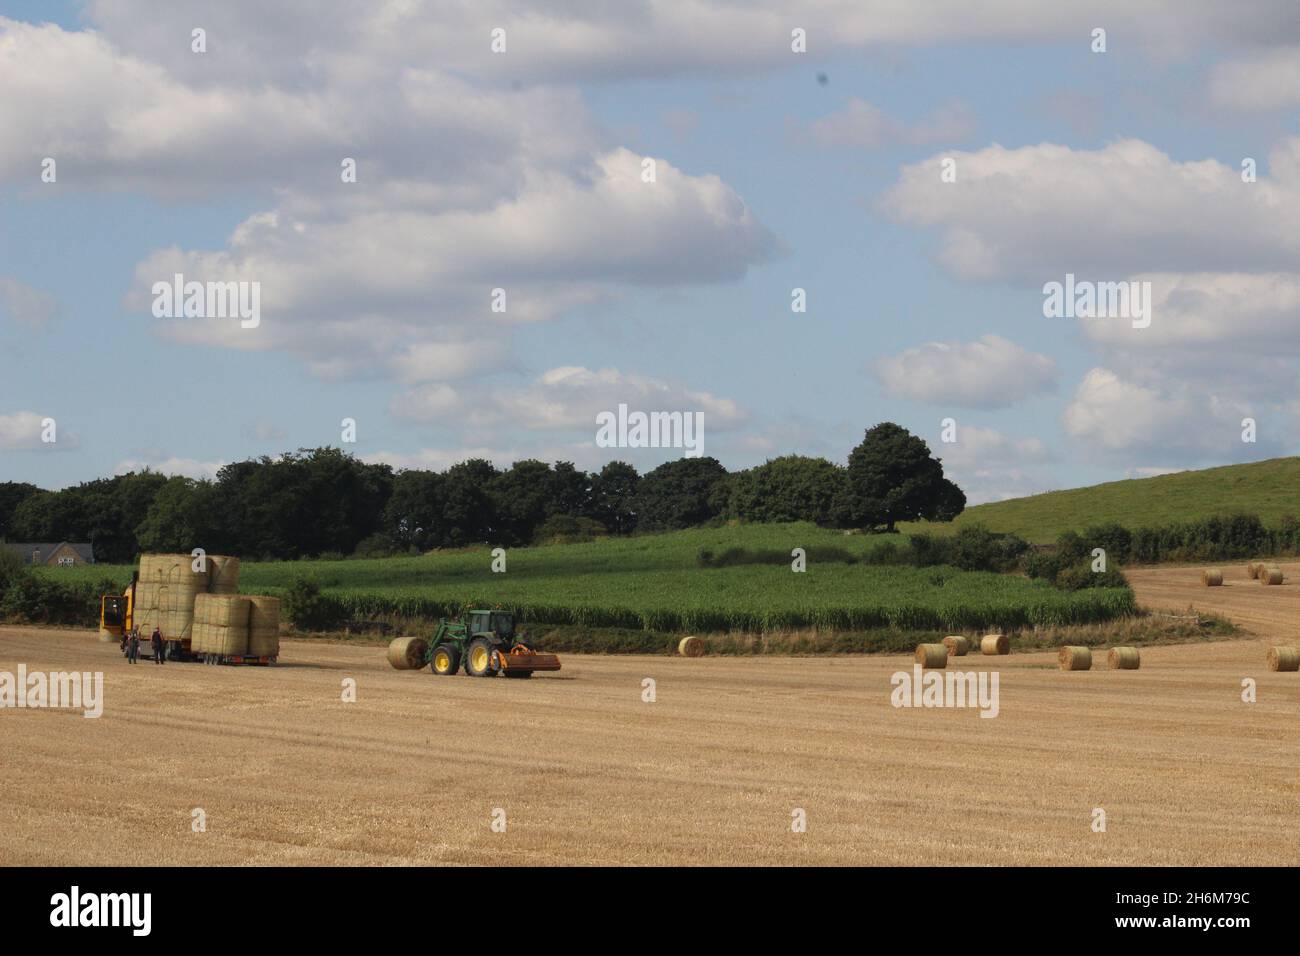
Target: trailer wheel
445,660
479,661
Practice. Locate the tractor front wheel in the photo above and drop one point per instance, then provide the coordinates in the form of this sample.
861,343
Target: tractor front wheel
446,660
479,661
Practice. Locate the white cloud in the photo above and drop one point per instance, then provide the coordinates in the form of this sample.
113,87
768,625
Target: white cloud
863,125
989,373
21,431
186,467
25,305
1035,213
1268,80
990,466
1168,422
568,397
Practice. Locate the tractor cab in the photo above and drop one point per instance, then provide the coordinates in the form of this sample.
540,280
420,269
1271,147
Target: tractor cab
498,623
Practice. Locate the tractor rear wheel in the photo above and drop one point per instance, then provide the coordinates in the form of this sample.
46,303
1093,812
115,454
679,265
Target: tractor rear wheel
445,660
479,662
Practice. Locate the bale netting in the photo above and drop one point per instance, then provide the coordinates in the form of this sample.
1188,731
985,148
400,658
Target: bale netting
1269,576
263,625
994,644
1212,577
691,647
1123,659
1072,658
223,574
408,653
932,655
957,644
1283,659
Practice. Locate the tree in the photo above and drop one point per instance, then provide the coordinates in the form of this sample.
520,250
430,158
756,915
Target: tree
180,518
790,488
467,511
413,517
892,477
677,494
12,494
612,499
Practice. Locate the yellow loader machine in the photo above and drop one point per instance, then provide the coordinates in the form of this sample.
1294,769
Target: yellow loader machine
486,644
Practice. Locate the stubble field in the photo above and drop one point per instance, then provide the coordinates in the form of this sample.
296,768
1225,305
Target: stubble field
587,772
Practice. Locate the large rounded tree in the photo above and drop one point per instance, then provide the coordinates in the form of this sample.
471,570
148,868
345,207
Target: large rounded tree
893,477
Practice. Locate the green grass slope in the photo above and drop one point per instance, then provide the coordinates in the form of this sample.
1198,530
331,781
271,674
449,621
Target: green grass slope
1269,488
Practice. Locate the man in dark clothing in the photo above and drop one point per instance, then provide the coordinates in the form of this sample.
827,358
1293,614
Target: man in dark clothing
133,647
157,641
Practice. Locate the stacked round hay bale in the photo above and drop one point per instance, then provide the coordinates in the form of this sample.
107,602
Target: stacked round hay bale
1073,658
995,644
1212,577
932,656
223,574
263,625
199,631
1283,659
1269,576
224,629
1123,659
1253,569
957,644
408,653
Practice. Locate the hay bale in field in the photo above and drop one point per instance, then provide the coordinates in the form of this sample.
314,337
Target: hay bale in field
691,647
992,644
1269,576
1283,659
1253,569
1073,658
223,574
224,610
263,625
226,641
1212,578
957,644
408,653
932,656
1123,659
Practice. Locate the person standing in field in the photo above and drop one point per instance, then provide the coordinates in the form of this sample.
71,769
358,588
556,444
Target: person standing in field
157,641
133,647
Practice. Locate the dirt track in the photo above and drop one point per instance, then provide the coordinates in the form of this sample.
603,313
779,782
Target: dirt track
709,773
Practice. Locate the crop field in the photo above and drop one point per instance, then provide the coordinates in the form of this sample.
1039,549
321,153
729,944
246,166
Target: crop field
654,582
583,770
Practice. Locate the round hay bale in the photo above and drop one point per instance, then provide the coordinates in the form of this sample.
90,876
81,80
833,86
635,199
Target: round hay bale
1074,658
1253,569
1283,659
1269,576
932,655
408,653
1123,659
691,647
223,574
1212,578
957,644
992,644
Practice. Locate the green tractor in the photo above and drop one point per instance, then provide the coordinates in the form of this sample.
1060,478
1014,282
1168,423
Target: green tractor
486,643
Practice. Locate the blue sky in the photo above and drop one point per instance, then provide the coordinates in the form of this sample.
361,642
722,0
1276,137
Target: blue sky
778,170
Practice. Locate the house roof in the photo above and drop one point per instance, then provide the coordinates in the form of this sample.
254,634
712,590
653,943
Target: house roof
46,549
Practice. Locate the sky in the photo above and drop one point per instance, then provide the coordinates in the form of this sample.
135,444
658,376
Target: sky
921,170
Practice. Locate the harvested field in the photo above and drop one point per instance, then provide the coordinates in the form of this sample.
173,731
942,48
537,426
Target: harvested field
587,773
1273,610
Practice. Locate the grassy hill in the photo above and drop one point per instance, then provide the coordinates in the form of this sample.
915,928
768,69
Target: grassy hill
1269,488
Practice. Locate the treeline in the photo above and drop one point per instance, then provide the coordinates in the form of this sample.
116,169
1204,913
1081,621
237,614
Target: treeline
1214,538
323,502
